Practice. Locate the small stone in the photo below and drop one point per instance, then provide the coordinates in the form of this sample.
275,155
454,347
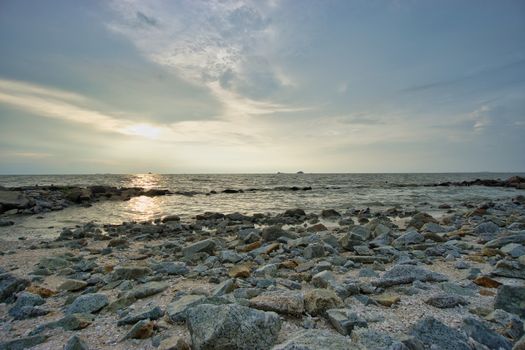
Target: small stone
75,343
314,250
43,292
387,299
147,289
344,320
88,303
446,301
315,339
324,279
129,273
317,301
240,271
282,302
72,285
23,342
151,314
177,309
10,285
486,282
141,330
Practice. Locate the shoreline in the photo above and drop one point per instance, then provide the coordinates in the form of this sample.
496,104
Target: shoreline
332,280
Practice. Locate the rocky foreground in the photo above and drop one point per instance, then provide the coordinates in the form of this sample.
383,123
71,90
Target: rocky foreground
353,280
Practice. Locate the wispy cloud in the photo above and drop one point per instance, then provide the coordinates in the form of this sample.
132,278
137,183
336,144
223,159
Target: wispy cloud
211,43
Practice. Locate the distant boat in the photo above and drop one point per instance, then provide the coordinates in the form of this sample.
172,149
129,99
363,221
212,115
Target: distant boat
300,172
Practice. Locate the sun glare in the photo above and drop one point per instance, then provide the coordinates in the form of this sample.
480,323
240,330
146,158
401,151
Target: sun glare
144,130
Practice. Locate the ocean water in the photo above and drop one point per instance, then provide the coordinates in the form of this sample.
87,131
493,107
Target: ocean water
336,191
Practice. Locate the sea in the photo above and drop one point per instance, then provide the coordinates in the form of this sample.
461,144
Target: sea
328,191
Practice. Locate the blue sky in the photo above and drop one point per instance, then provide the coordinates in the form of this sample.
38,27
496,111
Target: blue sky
194,86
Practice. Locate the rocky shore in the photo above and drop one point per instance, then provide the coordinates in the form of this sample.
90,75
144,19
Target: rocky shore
358,279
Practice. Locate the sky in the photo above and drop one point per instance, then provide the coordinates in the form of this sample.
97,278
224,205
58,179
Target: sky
218,86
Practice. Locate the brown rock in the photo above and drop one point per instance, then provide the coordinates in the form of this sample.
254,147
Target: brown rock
272,247
240,271
487,282
288,264
387,300
317,301
249,247
487,292
43,292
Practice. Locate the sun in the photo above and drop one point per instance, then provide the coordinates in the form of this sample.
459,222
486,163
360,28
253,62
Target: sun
145,130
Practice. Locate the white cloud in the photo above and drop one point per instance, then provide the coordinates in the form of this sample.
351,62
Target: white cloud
211,43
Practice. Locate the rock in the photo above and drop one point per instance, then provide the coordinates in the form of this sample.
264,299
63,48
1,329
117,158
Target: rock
344,320
317,301
486,282
225,327
43,292
454,288
405,274
509,268
21,343
411,237
174,343
446,301
10,285
370,339
387,299
506,323
54,263
88,303
295,213
75,343
177,310
147,289
225,287
151,314
518,238
282,302
272,233
141,330
5,223
432,332
174,268
323,279
315,339
26,306
13,200
170,218
478,331
330,214
229,256
421,219
74,322
72,285
317,228
486,227
204,246
511,299
130,273
515,250
520,344
240,271
314,250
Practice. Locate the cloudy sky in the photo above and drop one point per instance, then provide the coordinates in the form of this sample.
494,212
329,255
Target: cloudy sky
190,86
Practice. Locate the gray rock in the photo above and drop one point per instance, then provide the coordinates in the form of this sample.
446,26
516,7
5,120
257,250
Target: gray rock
486,227
410,237
88,303
323,279
405,274
282,302
54,263
177,310
10,285
26,306
432,332
147,289
141,330
446,301
420,219
204,246
231,327
314,250
13,200
511,299
481,333
317,301
152,314
272,233
509,268
176,268
225,287
509,238
505,323
330,214
315,339
229,256
374,340
453,288
515,250
344,320
23,342
76,343
72,285
367,272
130,273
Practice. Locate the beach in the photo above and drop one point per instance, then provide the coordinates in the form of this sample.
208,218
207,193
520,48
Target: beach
394,277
